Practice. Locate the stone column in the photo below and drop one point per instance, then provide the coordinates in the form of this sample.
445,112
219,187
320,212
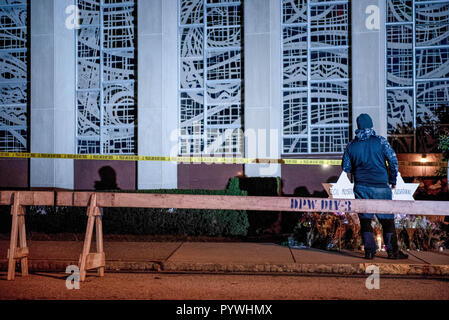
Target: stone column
52,93
262,76
157,91
368,62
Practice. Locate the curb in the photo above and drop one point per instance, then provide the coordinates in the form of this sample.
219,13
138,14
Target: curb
268,268
295,268
61,265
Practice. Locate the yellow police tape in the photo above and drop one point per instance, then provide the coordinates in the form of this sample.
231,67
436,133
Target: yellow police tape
215,160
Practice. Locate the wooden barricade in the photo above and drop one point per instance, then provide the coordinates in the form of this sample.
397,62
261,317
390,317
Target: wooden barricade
17,200
184,201
96,260
17,230
141,200
95,201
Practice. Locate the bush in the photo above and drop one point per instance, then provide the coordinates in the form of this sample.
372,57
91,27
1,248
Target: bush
443,146
140,221
174,222
262,221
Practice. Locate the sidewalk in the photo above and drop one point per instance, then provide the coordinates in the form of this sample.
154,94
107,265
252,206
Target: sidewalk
212,257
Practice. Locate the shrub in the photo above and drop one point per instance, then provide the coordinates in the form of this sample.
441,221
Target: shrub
262,221
140,221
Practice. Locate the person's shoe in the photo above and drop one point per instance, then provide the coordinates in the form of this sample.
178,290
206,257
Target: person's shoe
370,255
397,255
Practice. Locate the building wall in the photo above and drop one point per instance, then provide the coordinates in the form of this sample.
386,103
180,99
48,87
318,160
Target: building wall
14,173
417,171
87,174
207,176
306,180
52,101
368,62
52,93
262,78
157,91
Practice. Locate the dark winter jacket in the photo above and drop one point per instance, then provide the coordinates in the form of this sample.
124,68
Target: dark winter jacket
365,158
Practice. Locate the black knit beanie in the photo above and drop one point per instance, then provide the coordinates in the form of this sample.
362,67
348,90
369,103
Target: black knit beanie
364,121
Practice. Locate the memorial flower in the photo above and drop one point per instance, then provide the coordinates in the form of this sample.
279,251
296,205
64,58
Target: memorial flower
331,231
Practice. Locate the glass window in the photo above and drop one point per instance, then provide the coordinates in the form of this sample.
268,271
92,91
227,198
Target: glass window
106,69
417,68
13,76
210,88
315,77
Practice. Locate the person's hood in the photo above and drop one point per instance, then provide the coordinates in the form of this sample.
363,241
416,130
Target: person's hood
364,134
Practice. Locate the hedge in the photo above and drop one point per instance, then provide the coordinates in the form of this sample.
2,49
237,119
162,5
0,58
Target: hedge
261,222
143,221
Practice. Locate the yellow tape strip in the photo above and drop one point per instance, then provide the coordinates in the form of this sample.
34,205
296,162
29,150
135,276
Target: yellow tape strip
217,160
211,160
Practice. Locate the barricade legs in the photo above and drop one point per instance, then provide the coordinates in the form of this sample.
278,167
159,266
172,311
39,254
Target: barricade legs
18,230
96,260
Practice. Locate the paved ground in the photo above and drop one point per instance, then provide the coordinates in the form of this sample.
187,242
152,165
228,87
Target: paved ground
148,286
231,270
54,256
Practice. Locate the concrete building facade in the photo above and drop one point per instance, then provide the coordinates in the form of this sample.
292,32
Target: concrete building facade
224,78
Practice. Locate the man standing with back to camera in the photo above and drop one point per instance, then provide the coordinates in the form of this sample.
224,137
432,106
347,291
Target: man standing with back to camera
364,158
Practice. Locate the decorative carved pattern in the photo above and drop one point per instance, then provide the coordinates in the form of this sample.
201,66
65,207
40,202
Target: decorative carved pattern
417,65
400,107
210,77
13,76
106,67
315,76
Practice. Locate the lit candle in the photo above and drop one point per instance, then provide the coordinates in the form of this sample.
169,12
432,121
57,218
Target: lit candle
379,242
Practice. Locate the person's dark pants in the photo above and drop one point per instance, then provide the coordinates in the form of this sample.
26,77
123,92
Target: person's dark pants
386,220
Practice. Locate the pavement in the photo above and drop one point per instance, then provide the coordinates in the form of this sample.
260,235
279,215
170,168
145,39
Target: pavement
226,257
